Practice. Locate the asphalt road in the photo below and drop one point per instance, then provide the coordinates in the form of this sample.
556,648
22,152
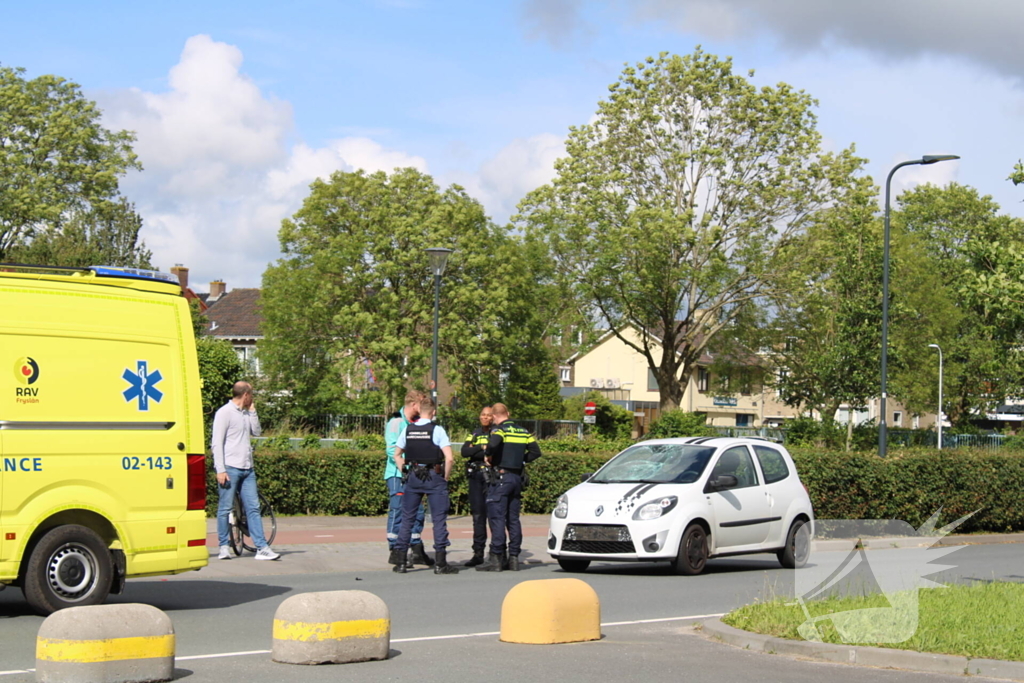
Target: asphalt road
233,615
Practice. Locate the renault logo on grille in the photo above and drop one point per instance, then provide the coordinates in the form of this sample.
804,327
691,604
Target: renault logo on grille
599,510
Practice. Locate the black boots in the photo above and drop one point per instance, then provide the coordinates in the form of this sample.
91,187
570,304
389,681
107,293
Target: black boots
402,564
493,564
442,566
513,563
478,558
418,555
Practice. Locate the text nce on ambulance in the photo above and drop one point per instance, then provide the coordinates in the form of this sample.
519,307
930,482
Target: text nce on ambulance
102,471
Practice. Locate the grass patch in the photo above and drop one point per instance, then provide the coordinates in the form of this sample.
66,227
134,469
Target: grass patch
983,620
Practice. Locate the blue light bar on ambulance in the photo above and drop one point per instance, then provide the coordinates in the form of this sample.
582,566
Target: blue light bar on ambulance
134,273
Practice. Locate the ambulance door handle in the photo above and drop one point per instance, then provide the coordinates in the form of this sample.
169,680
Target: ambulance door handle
181,446
170,482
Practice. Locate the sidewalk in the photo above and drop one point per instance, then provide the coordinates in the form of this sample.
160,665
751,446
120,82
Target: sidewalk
311,545
343,544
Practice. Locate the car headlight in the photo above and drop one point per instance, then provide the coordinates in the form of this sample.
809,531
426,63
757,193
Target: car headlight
562,509
655,509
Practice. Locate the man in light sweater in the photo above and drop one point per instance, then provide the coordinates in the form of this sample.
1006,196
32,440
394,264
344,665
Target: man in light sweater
233,426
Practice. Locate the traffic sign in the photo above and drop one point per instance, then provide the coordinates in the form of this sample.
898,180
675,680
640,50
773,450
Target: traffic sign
590,408
589,419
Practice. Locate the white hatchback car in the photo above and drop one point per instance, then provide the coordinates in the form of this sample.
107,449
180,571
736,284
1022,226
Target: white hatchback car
685,500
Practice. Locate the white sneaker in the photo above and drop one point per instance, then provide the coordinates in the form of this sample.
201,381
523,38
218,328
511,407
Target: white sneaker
266,553
225,553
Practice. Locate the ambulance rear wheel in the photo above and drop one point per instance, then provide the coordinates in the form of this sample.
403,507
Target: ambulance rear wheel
71,566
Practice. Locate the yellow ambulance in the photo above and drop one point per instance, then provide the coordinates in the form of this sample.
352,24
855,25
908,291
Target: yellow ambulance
102,466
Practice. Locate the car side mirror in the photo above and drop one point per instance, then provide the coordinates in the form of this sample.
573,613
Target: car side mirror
722,482
586,477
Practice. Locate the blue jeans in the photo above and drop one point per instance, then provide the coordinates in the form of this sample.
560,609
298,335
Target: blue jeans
244,480
395,495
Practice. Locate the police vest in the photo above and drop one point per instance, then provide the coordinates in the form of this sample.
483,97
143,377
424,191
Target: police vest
419,444
479,438
513,450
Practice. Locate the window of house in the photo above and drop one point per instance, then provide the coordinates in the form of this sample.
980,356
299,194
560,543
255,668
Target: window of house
746,382
566,373
783,376
652,381
744,420
725,382
577,336
915,422
790,343
703,379
897,418
556,339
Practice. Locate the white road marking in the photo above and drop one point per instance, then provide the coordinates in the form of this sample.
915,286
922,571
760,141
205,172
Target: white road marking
420,639
324,536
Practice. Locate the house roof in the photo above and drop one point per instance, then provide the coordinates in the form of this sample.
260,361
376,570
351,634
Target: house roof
236,315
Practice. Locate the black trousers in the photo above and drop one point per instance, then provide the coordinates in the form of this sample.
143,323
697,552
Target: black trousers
478,508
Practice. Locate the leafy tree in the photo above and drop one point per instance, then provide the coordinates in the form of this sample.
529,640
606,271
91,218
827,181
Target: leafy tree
219,367
975,255
108,234
611,421
826,334
674,423
56,161
354,287
672,209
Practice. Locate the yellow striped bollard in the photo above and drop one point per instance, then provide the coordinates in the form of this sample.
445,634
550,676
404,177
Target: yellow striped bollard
332,627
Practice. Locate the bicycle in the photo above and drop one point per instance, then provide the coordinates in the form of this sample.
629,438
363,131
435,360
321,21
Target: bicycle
238,525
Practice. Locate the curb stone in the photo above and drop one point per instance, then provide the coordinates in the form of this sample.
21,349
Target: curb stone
863,655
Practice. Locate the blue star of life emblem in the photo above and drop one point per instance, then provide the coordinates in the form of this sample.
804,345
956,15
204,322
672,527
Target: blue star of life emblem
143,385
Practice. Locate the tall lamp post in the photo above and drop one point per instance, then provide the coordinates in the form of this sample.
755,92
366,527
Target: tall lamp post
936,346
438,260
883,435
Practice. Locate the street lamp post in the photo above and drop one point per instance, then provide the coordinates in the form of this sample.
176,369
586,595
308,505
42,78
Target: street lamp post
883,435
438,260
936,346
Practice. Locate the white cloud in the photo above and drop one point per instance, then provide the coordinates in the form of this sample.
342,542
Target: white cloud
523,165
221,171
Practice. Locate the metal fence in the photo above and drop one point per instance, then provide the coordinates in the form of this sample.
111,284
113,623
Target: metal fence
346,426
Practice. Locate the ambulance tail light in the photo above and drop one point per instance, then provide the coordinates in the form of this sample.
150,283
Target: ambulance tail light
196,482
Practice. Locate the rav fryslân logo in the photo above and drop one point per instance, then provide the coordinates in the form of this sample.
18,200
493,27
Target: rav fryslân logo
895,571
26,372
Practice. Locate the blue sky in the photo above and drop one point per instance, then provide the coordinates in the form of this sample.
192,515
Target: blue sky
238,106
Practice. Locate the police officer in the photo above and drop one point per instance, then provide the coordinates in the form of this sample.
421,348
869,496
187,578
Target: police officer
474,449
509,448
425,447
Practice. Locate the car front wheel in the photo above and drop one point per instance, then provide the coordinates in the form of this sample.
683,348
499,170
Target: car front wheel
798,546
693,551
69,567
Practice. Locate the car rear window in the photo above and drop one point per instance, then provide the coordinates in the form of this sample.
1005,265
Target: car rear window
773,465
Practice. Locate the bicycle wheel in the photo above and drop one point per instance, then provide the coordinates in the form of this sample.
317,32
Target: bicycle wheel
269,525
237,527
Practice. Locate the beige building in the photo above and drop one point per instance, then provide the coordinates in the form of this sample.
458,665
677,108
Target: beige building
622,374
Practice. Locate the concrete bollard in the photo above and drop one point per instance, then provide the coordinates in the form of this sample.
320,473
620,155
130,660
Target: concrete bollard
106,644
551,611
333,627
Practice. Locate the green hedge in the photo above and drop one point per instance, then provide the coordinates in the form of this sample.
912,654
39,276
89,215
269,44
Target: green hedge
909,486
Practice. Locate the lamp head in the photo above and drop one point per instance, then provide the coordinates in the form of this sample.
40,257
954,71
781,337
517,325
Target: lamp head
934,346
438,259
935,158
